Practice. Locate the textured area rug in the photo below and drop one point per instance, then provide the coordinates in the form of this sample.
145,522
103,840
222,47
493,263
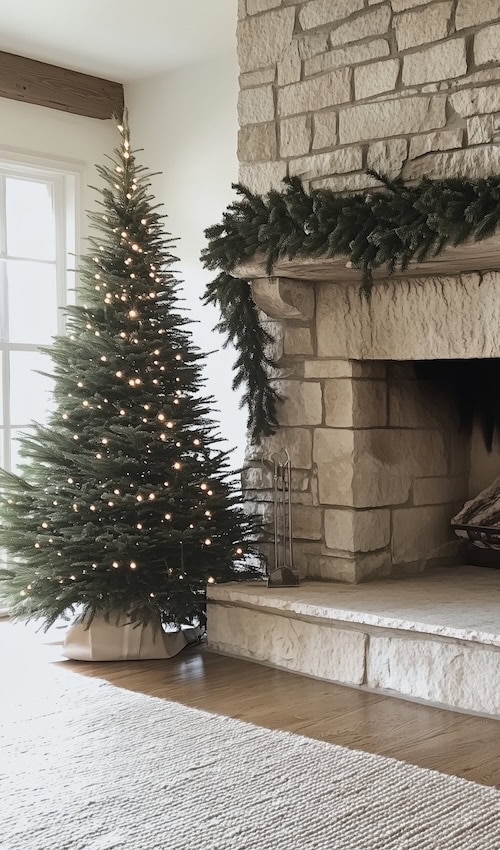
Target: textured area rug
88,766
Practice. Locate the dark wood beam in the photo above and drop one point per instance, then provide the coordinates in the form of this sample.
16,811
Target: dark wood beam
59,88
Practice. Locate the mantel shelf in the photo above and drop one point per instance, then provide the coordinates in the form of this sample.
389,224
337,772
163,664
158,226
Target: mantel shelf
469,257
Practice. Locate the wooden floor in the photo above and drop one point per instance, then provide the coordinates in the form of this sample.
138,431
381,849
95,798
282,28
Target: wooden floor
444,740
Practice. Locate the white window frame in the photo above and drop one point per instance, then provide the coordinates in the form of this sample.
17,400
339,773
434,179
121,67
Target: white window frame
65,178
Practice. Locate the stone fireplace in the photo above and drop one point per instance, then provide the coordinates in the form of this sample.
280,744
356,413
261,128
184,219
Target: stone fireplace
329,89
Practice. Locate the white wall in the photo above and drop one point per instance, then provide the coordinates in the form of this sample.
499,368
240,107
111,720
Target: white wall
186,121
51,134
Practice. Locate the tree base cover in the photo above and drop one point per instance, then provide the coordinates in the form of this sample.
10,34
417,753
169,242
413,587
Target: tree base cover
390,227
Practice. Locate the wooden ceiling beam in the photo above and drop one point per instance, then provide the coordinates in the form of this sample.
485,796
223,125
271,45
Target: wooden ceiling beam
59,88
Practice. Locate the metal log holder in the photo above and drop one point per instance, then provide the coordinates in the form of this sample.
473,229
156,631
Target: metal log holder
484,536
283,573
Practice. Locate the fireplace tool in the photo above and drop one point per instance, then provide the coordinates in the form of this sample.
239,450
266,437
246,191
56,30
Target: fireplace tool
283,573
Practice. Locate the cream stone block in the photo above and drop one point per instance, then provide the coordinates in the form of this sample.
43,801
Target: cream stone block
334,456
375,78
298,340
374,22
257,142
242,9
387,157
288,642
480,129
327,369
349,183
289,66
358,404
257,478
442,141
403,5
262,40
436,319
350,568
471,162
476,101
325,129
256,105
319,12
261,177
334,162
423,25
311,95
439,491
421,533
301,404
457,675
391,118
295,136
486,43
439,62
346,56
298,441
311,45
357,531
307,522
469,14
283,298
257,78
255,6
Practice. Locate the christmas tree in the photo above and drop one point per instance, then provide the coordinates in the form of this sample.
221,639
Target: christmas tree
124,504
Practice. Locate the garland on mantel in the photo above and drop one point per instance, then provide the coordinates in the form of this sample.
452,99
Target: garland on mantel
389,227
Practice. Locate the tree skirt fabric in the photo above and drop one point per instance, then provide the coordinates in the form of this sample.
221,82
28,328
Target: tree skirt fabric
85,765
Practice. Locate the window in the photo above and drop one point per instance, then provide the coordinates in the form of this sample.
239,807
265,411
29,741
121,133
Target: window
37,239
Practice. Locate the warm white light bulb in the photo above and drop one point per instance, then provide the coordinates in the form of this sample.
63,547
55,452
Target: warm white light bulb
133,565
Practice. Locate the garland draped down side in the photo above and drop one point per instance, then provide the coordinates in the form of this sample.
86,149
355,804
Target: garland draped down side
389,227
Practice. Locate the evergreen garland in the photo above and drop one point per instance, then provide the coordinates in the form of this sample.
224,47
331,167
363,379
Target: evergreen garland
390,227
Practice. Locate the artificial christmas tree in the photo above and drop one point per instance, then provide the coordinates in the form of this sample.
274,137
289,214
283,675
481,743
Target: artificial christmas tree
123,508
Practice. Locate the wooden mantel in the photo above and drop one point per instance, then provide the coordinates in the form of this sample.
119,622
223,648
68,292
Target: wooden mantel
469,257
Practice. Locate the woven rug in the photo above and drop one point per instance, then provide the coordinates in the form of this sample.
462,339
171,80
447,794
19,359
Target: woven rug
88,766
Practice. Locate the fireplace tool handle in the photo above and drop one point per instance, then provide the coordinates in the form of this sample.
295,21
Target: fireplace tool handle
283,573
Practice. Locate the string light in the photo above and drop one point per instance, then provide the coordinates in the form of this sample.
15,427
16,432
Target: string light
177,465
208,542
211,580
133,565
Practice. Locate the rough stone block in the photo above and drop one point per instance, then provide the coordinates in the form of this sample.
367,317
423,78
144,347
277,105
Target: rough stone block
311,45
403,5
439,491
374,22
423,25
476,101
440,62
295,136
334,162
442,141
457,675
375,78
469,14
352,568
486,43
388,157
350,183
470,162
346,56
263,176
284,298
441,319
357,531
325,129
242,9
290,65
480,129
288,642
298,340
421,533
256,105
262,40
301,403
255,6
333,454
257,78
257,478
327,369
311,95
391,118
298,441
307,522
355,404
319,12
257,142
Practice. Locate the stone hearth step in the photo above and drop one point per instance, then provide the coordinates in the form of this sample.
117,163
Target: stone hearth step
434,637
